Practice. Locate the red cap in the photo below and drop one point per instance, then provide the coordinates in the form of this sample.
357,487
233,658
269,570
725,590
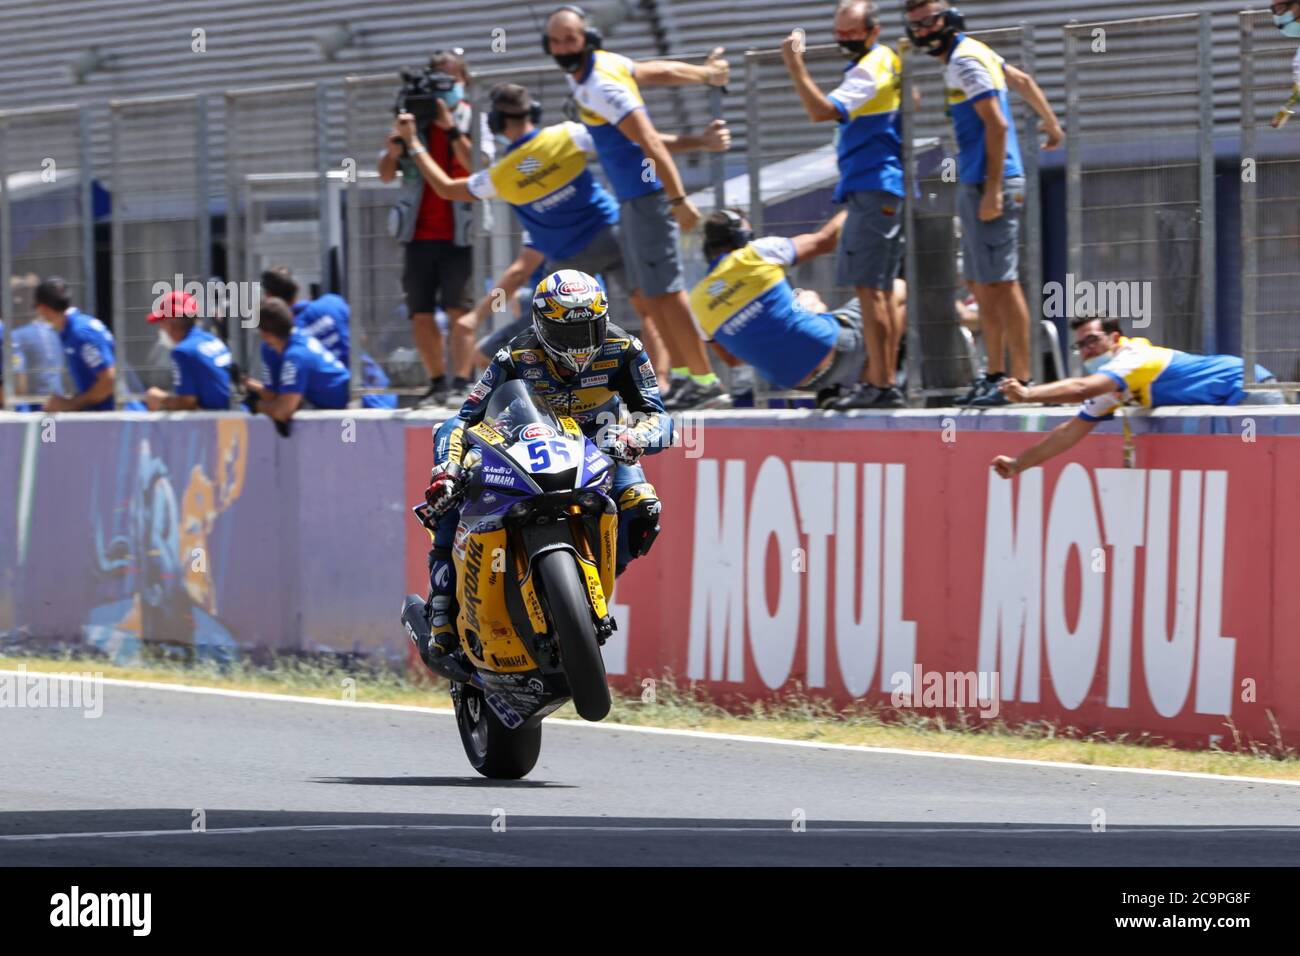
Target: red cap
175,305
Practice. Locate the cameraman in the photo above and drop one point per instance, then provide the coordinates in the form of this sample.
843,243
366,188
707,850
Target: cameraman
434,231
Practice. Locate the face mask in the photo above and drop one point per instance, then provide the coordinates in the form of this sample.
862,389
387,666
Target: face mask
571,62
852,49
1094,364
1287,24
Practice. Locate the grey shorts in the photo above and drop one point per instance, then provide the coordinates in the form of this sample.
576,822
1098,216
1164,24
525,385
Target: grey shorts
990,250
652,254
871,242
850,351
602,257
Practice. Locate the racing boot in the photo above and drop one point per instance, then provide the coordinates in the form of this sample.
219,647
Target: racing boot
442,586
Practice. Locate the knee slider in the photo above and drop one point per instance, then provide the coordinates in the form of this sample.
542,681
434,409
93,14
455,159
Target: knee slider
638,511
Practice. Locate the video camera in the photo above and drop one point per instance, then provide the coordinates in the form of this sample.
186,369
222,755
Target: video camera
420,92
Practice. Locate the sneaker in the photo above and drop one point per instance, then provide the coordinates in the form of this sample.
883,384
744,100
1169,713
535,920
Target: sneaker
977,388
992,397
702,397
676,383
681,395
436,396
864,395
891,397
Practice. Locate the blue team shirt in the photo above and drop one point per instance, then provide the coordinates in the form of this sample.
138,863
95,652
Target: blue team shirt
307,368
746,304
544,177
606,93
201,367
974,72
1152,376
88,350
870,143
326,319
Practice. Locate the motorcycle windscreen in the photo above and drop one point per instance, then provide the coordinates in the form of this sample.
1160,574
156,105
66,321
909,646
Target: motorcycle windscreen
515,405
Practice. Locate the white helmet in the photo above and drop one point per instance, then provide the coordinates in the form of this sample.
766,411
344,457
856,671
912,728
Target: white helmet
570,315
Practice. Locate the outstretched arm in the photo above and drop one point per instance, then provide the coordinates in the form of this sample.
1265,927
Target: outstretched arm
433,174
813,244
1061,438
715,71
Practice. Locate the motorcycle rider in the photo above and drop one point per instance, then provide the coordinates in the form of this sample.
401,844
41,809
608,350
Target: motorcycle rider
587,369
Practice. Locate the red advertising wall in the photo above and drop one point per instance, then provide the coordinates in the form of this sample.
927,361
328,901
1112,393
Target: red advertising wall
857,563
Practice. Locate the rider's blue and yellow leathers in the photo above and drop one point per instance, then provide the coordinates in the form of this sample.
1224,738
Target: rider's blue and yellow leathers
620,377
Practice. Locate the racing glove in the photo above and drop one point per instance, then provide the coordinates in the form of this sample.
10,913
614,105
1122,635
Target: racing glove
445,486
622,444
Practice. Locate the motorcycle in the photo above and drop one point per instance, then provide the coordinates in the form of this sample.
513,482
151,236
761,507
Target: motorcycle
534,554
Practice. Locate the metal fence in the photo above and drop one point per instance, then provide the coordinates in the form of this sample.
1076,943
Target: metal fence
1140,175
373,288
46,224
942,353
1270,204
1138,179
160,226
283,199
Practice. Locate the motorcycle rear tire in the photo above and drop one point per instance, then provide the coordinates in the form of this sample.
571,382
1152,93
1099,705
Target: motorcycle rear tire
566,596
493,749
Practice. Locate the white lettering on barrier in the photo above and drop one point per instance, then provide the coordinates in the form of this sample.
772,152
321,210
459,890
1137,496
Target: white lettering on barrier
1024,587
729,573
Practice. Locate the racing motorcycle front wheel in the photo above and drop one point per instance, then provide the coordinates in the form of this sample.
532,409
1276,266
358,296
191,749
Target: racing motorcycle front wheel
576,632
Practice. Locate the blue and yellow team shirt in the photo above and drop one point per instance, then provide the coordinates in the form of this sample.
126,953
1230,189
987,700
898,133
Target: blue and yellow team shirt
1152,376
870,145
544,176
973,73
747,306
606,92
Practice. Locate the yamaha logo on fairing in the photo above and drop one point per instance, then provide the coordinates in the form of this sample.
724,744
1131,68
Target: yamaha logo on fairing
499,479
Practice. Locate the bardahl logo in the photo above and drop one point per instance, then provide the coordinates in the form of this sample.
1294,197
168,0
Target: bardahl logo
720,292
536,177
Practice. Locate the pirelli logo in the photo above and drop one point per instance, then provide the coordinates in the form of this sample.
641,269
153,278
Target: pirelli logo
597,366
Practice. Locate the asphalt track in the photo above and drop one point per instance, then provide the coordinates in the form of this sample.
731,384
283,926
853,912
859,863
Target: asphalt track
289,783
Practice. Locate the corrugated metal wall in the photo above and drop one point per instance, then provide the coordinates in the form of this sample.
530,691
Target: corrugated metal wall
252,43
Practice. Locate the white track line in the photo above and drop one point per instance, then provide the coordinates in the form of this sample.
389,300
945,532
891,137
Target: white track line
669,731
1082,830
